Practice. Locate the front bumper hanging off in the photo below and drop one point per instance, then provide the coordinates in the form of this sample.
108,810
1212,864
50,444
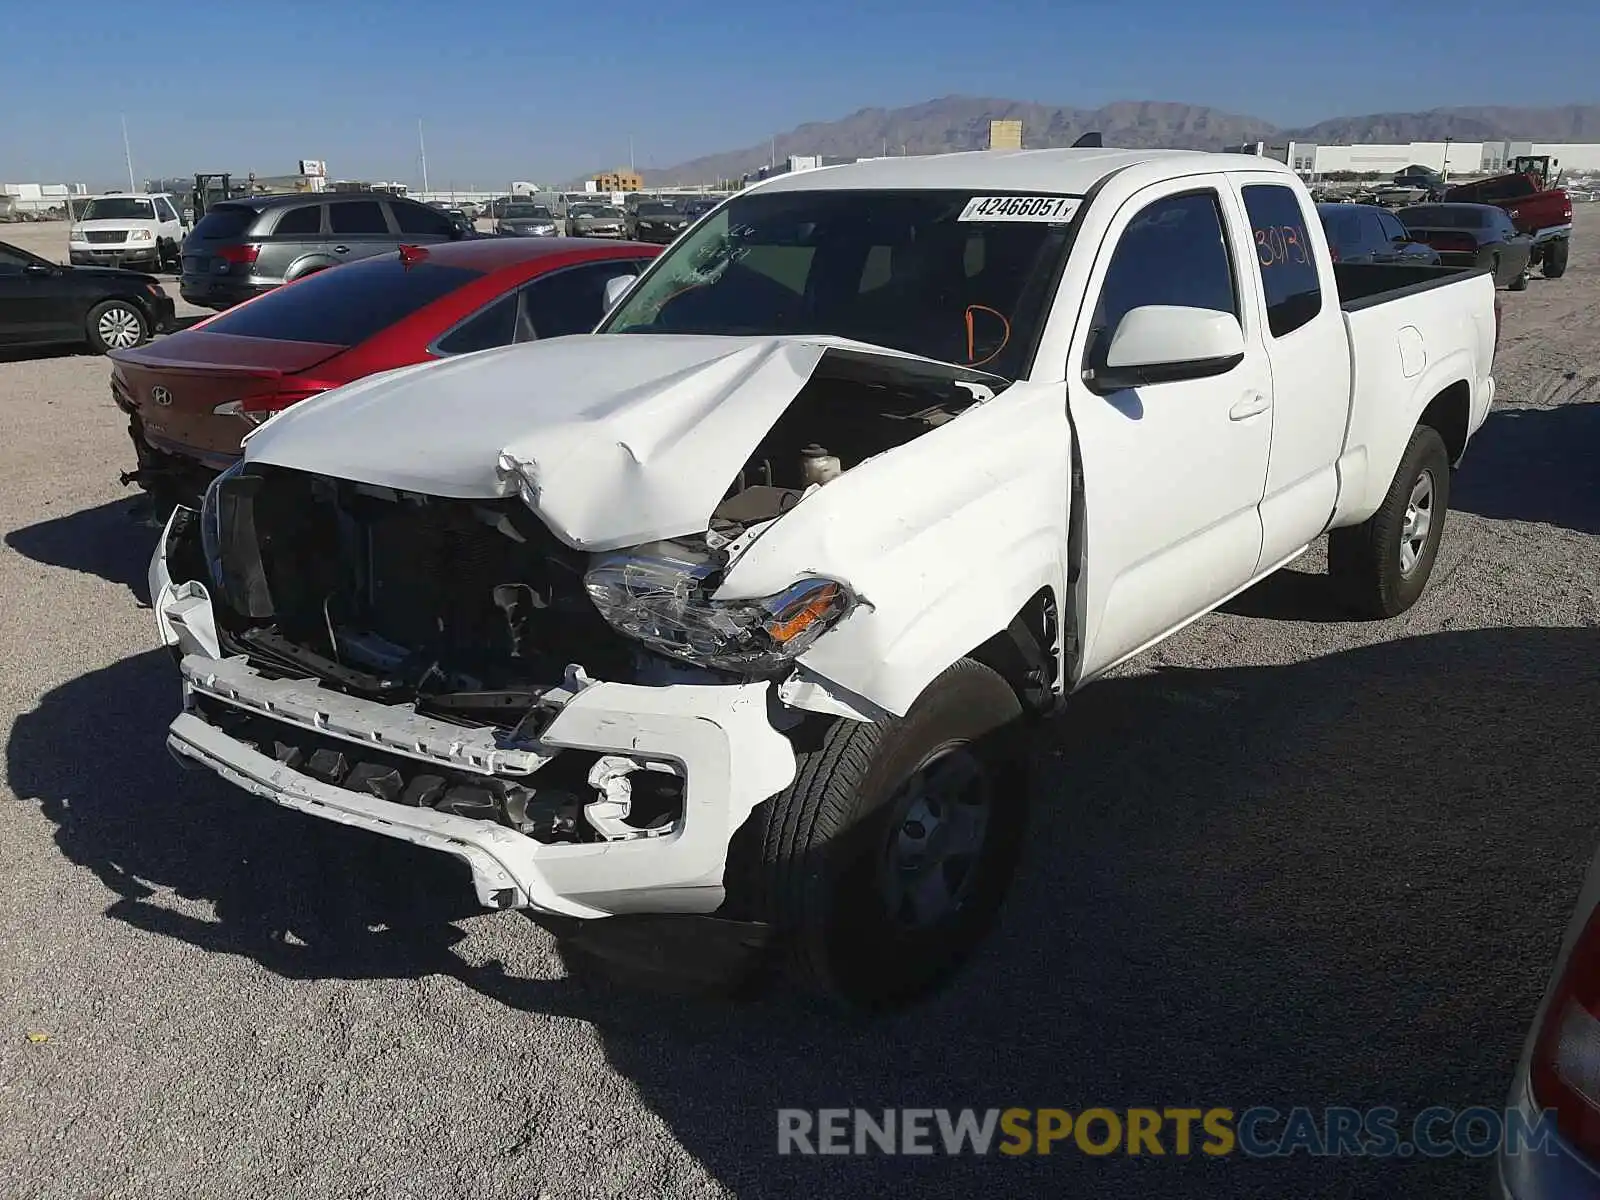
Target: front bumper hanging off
719,737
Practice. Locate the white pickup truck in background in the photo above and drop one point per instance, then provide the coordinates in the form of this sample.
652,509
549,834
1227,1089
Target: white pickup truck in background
735,608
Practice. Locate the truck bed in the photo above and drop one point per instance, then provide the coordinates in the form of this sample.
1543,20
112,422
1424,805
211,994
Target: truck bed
1361,285
1414,331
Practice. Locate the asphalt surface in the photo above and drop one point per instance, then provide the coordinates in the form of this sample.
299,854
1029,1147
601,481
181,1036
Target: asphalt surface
1287,860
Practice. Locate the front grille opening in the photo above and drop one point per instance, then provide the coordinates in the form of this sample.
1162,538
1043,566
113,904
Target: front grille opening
405,597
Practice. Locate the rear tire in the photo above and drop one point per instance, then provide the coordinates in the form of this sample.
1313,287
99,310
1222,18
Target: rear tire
116,325
1382,565
1555,258
885,862
1520,283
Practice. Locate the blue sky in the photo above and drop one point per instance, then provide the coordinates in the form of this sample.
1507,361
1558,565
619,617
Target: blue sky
547,91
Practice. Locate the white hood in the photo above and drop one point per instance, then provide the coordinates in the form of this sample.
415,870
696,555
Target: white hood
611,439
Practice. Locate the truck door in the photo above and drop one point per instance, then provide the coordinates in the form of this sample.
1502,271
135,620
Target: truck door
1172,471
1309,352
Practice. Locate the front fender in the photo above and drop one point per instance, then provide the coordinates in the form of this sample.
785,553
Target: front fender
944,540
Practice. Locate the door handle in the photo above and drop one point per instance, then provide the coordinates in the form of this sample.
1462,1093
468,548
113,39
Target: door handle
1252,405
341,249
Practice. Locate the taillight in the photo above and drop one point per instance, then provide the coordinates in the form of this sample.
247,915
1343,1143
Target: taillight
257,409
1333,252
1565,1071
1497,322
247,253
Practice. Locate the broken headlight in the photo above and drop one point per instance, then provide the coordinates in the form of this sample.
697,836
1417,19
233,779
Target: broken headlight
660,595
232,550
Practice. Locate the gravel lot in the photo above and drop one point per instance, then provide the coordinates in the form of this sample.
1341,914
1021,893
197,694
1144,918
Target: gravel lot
1288,860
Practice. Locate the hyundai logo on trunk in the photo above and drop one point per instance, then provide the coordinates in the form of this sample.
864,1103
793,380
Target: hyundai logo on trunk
161,396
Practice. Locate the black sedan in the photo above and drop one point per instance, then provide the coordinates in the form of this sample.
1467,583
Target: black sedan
658,221
43,304
1472,235
1365,233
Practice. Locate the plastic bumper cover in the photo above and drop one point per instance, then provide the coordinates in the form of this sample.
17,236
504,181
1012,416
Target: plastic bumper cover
720,737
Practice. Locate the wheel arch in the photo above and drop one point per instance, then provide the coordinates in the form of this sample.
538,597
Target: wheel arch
310,265
1449,414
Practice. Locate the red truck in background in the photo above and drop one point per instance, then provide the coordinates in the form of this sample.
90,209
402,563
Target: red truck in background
1536,206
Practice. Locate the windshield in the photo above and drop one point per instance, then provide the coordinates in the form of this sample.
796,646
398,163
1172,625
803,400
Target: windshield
657,208
597,210
527,211
895,269
117,208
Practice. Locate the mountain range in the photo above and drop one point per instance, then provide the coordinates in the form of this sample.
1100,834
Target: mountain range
962,123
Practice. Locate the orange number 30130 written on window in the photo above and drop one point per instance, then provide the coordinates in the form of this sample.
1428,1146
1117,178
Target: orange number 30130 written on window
1281,244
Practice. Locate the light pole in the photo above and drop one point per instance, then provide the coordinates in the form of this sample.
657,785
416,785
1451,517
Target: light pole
422,153
127,154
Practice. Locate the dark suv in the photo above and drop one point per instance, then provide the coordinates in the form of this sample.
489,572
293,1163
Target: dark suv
251,245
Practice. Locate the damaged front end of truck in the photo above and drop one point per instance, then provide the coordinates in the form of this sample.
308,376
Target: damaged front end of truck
570,645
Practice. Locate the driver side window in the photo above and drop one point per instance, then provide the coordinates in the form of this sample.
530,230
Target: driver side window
1174,251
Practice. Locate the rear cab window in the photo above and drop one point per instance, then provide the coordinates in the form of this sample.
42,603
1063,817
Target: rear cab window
345,306
1289,279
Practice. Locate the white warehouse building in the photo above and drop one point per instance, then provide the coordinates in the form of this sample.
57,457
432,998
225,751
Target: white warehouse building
1453,158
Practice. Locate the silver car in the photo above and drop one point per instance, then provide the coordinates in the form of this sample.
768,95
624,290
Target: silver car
596,220
527,220
1558,1073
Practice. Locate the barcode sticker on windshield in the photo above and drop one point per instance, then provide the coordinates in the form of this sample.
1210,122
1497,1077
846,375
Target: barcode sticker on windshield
1049,210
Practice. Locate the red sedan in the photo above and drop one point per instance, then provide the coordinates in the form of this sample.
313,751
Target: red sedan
192,396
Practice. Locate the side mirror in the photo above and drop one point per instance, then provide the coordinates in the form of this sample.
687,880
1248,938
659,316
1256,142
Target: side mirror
616,287
1165,343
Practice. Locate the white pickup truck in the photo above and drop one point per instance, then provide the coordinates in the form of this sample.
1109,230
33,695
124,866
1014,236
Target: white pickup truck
734,609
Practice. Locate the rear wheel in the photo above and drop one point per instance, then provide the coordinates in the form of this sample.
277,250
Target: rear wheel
886,860
1382,565
117,325
1520,283
1555,258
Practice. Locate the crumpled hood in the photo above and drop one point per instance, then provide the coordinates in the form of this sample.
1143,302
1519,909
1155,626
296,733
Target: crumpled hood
612,439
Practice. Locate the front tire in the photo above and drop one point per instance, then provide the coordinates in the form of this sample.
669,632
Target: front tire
117,325
1555,258
885,862
1382,565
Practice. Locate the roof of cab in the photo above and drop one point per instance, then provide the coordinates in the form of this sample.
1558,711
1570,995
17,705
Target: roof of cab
1070,172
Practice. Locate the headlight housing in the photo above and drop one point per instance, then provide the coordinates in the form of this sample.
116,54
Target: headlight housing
227,517
660,595
140,235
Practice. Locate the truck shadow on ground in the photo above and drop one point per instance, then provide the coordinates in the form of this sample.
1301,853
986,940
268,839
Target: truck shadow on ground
108,540
1535,464
1339,882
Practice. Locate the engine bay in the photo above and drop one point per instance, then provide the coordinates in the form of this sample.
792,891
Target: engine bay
851,409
